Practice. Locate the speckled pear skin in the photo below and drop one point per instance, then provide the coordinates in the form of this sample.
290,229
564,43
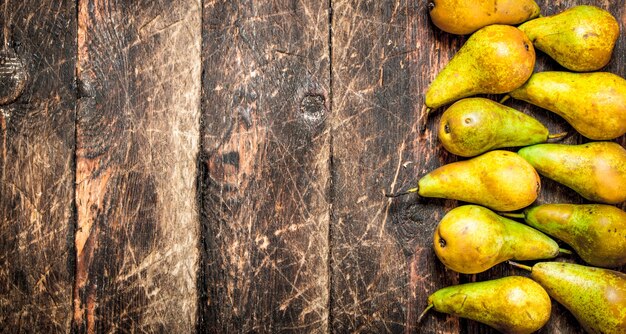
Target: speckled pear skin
473,126
471,239
512,304
500,180
597,232
465,16
581,38
597,170
595,296
496,59
593,103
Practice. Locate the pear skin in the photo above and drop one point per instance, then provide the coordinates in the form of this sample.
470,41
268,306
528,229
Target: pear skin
471,239
512,304
581,38
596,232
596,171
476,125
499,180
596,297
592,103
465,16
496,59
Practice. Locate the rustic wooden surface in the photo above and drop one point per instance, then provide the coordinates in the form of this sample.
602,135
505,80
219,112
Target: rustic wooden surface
37,113
137,141
219,166
265,167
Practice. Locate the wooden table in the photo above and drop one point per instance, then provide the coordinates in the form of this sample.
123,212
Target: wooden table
178,166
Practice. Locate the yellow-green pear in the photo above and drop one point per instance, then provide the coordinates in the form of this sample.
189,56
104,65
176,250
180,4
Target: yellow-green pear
592,103
514,304
500,180
597,232
473,126
496,59
581,38
466,16
595,296
597,170
471,239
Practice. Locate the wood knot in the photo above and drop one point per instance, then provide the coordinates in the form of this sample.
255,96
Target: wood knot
13,76
313,107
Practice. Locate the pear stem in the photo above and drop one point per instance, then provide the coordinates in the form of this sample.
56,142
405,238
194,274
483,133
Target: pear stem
557,136
426,115
512,215
410,191
521,266
419,319
565,251
505,98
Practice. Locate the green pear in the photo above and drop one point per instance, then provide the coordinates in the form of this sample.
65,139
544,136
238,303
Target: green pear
592,103
581,38
513,304
496,59
500,180
471,239
466,16
597,171
597,232
596,297
473,126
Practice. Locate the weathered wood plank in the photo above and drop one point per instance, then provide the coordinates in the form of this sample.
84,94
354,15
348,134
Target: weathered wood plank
138,130
266,148
37,114
383,266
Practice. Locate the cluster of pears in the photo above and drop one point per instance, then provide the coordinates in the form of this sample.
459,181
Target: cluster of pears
499,59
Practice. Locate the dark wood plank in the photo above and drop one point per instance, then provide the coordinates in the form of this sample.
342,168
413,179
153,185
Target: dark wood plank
138,130
37,114
265,166
383,267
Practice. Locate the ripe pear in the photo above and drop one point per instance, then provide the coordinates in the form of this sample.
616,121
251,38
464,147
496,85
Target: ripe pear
471,239
593,103
496,59
500,180
512,304
597,232
597,170
596,297
466,16
581,38
476,125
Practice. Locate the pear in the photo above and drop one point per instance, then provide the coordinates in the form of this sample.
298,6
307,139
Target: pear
597,170
596,297
500,180
513,304
475,125
496,59
592,103
597,232
581,38
471,239
466,16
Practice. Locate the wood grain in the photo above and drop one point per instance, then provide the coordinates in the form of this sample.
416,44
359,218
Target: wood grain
265,167
138,130
383,266
37,114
